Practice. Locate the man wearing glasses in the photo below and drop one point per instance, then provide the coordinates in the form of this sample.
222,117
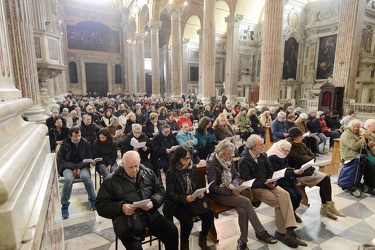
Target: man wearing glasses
278,128
254,164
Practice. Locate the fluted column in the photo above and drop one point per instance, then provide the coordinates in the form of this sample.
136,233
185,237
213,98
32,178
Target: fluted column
140,38
176,9
132,76
20,28
125,53
200,33
232,55
185,66
270,72
208,80
155,26
348,45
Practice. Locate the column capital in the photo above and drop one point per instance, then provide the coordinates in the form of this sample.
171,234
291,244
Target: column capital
200,32
185,40
232,19
176,9
154,26
140,36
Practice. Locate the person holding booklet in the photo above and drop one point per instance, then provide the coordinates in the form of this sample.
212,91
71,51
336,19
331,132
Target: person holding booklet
254,164
300,154
181,182
221,170
277,157
130,183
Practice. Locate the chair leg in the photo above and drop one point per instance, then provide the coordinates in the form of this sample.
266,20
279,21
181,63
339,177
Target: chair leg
116,243
95,179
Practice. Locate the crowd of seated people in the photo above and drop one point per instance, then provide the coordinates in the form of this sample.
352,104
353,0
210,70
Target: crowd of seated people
112,123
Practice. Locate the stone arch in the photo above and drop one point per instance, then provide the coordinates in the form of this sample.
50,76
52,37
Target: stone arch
221,12
143,17
191,26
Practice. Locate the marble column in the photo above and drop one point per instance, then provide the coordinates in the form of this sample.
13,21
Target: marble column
348,46
20,30
132,76
155,26
140,38
175,9
167,70
271,65
125,53
185,67
232,56
200,33
209,44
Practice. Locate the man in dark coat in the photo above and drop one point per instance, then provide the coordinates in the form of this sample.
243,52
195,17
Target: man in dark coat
130,183
89,129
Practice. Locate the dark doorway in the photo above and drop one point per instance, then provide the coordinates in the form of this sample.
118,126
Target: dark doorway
149,84
96,78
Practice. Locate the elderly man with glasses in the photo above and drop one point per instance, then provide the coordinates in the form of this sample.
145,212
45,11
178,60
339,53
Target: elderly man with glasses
278,127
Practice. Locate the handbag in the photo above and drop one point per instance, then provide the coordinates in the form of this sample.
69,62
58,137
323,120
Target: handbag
201,206
126,226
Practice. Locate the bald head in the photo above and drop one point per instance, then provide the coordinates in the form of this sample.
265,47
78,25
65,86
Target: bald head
131,161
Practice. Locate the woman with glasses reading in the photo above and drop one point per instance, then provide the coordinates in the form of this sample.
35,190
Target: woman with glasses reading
181,182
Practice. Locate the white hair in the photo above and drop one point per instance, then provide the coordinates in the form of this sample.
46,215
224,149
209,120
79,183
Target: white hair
354,121
283,144
369,123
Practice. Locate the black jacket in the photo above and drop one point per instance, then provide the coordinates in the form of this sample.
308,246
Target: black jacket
55,135
142,138
159,145
118,188
89,132
150,129
249,169
314,125
278,164
106,151
84,151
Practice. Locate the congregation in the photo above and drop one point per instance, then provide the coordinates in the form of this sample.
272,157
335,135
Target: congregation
148,130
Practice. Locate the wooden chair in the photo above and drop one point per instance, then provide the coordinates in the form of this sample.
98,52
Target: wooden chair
269,141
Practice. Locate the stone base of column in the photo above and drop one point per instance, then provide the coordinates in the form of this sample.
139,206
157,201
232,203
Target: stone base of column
232,99
267,103
206,100
156,95
53,104
60,98
178,97
36,114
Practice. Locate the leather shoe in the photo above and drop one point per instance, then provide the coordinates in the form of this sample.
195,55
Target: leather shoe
298,219
371,191
266,237
288,242
241,245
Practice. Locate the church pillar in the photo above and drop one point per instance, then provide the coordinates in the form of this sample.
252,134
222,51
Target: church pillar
155,26
232,55
270,72
348,46
20,30
140,38
132,76
200,33
167,71
208,51
185,67
175,9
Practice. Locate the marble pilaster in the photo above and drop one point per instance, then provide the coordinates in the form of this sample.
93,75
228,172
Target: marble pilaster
140,38
208,51
270,73
175,9
200,33
232,55
348,46
155,26
185,67
132,76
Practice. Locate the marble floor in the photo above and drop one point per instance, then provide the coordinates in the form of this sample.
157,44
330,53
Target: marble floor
84,229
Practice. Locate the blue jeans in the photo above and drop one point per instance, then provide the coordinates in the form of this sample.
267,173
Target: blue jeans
85,176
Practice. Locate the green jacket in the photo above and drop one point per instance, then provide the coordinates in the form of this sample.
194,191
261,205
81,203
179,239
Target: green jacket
242,120
350,145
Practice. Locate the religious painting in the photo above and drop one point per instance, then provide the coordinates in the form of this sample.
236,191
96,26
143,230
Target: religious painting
326,57
93,36
193,73
290,59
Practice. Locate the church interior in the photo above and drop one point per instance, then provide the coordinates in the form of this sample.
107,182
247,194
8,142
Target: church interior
318,53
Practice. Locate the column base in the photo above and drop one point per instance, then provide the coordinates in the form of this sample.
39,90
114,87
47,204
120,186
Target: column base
53,104
206,100
36,114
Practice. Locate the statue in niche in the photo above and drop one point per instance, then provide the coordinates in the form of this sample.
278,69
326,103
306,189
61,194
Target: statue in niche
366,40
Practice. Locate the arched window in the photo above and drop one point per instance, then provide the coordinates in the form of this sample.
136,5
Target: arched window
73,72
118,74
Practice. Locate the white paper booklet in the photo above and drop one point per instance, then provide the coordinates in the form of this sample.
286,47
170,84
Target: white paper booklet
91,160
201,190
140,203
307,165
228,138
174,147
276,175
136,144
118,132
244,185
307,134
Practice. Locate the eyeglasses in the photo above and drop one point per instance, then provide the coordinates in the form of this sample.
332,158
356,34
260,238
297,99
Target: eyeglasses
286,151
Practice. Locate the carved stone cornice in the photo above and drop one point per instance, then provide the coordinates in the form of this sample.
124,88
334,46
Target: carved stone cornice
154,26
175,9
233,19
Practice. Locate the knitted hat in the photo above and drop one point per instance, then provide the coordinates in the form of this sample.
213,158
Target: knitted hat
295,132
